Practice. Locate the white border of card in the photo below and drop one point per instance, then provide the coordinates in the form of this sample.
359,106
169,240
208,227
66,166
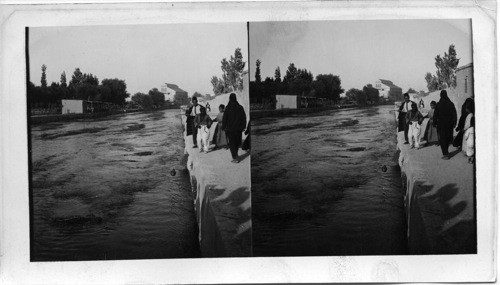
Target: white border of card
15,265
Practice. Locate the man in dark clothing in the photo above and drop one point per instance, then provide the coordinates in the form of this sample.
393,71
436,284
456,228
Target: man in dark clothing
403,109
191,114
445,119
233,123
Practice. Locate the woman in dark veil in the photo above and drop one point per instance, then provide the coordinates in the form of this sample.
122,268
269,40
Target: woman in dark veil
445,119
467,105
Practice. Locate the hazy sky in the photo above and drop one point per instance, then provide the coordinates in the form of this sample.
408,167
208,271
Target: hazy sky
360,52
145,56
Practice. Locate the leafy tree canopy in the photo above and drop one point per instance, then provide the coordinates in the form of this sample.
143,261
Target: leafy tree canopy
446,71
232,74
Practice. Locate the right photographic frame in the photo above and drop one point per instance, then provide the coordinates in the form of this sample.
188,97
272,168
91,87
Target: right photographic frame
363,138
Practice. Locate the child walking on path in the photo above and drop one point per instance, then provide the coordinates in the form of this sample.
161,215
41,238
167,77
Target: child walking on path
202,123
414,119
219,138
431,132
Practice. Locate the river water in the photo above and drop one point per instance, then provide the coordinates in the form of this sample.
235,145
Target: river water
102,189
319,186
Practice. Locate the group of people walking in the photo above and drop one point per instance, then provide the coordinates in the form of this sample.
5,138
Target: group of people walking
231,122
442,121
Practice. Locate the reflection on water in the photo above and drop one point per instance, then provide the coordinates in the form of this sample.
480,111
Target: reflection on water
102,189
318,185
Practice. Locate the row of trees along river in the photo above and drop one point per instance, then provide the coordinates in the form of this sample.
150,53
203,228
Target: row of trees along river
83,86
86,86
298,81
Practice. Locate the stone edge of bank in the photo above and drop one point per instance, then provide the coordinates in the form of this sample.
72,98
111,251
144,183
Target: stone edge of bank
440,210
222,201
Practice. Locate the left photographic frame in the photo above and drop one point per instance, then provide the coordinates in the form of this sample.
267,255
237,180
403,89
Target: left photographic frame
122,165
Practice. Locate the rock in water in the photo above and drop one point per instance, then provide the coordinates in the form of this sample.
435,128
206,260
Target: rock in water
173,172
384,168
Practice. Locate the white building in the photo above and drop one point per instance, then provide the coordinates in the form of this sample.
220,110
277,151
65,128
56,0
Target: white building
388,90
72,106
170,90
287,101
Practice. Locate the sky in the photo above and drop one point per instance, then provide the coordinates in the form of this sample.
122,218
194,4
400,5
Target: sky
360,52
145,56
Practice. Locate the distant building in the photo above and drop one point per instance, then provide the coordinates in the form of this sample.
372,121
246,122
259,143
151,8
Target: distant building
170,90
287,102
295,102
413,96
387,90
72,106
465,80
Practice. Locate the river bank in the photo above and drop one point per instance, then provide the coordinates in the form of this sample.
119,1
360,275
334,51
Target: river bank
257,114
440,200
40,119
222,200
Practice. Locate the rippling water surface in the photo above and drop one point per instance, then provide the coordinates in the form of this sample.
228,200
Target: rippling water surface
318,187
102,189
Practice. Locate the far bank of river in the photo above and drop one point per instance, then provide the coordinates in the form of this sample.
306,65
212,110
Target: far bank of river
257,114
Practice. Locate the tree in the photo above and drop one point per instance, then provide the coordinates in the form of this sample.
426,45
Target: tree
257,71
218,85
372,94
197,94
144,100
332,87
319,89
84,86
90,79
447,67
232,74
181,98
158,98
43,80
357,96
63,80
446,71
411,90
114,91
76,78
291,73
432,82
277,75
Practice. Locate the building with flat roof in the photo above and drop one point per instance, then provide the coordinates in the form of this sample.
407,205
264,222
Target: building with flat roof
170,90
388,90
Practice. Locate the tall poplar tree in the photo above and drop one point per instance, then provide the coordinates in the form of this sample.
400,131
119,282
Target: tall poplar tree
43,81
257,71
63,80
277,75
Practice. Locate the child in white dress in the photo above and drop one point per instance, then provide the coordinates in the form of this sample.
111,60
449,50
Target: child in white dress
469,141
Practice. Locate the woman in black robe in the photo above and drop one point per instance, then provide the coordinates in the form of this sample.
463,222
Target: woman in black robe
469,103
445,119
